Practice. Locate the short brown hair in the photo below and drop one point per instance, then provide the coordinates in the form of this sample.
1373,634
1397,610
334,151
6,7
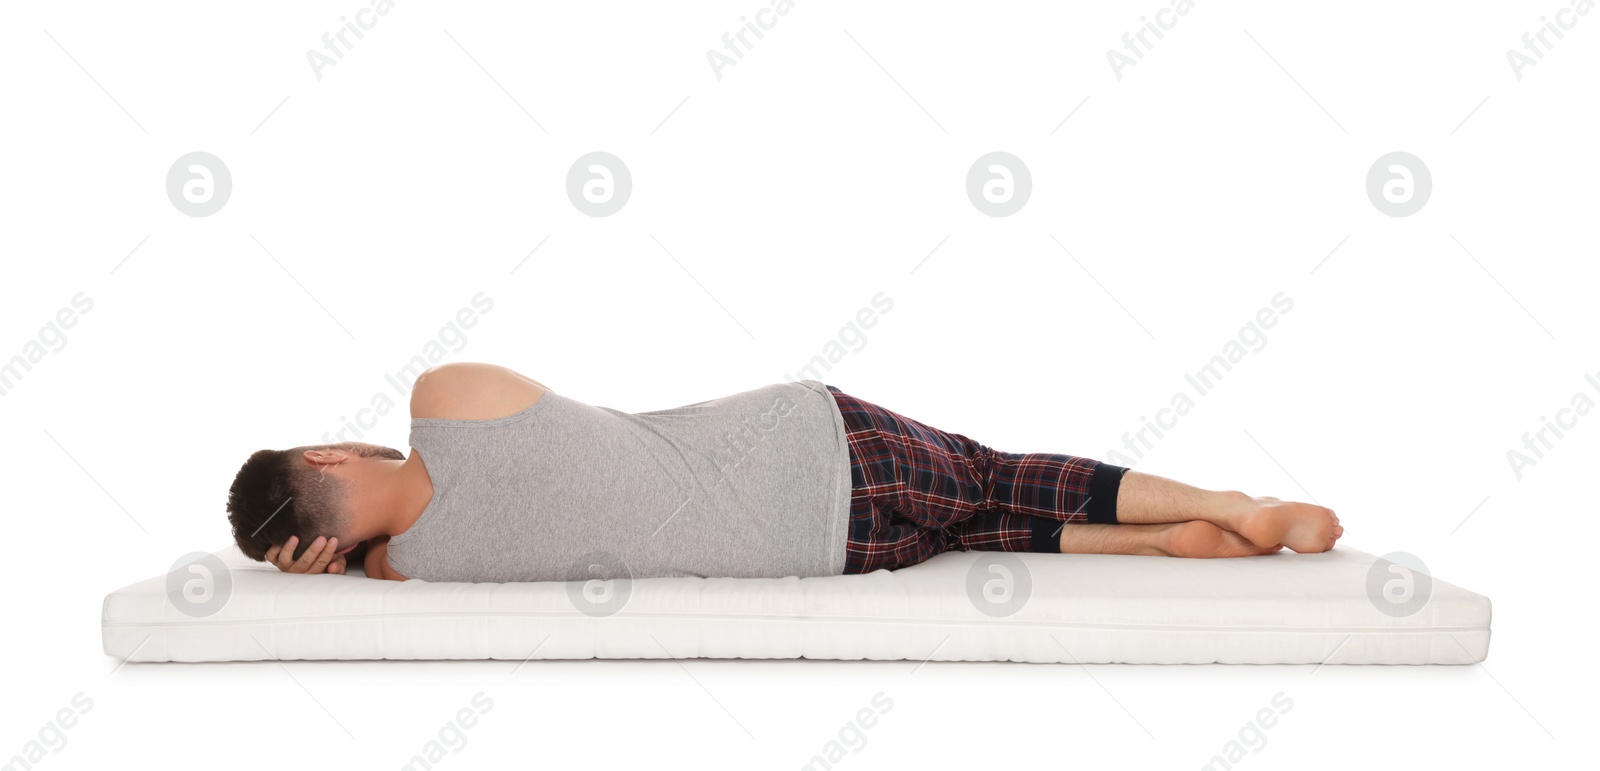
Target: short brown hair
276,495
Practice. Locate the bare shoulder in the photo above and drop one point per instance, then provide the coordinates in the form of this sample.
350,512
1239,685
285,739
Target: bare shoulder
472,391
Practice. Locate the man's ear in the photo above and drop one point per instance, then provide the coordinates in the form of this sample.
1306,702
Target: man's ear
325,457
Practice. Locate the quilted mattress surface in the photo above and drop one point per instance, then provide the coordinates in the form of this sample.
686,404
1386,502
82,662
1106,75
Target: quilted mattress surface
1340,607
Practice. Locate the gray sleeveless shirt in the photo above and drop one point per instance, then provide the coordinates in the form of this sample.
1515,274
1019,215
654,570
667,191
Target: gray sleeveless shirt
756,484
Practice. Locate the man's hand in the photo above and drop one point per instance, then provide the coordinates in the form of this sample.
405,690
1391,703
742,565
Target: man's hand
322,555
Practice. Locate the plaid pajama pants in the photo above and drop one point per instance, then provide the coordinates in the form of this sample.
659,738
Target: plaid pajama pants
917,491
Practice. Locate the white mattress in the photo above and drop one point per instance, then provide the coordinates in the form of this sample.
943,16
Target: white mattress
1279,609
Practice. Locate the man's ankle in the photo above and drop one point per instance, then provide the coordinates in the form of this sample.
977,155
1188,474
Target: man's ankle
1224,507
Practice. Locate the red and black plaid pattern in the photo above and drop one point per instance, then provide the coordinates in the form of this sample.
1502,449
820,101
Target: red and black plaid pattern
917,491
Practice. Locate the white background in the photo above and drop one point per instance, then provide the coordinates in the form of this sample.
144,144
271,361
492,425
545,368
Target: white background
823,168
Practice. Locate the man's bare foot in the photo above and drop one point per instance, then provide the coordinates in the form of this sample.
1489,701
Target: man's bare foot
1303,527
1200,539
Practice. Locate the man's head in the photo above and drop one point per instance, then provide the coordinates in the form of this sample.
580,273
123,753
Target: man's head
304,491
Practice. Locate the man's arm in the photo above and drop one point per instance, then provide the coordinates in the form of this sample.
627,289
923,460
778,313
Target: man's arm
325,557
377,561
